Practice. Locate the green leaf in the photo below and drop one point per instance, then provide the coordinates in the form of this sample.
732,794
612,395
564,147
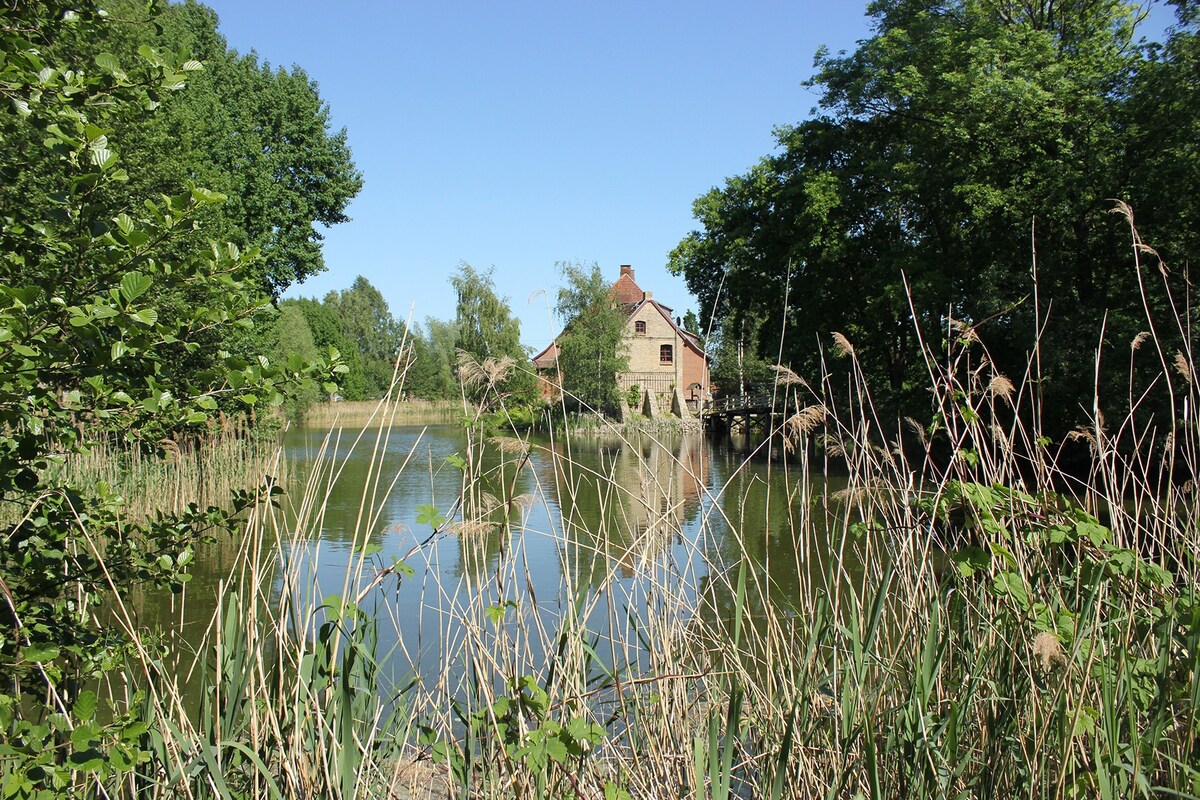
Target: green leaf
557,750
134,285
122,760
108,62
428,514
40,653
84,734
146,316
972,559
85,705
87,761
117,350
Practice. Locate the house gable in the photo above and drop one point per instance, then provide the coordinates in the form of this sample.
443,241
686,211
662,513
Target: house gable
661,353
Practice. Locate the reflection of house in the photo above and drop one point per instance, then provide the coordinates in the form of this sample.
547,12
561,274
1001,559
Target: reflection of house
662,355
625,502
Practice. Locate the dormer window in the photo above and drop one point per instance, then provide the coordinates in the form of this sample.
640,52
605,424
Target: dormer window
639,328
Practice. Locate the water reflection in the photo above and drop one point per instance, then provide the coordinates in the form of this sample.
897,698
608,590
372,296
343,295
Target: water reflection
542,523
623,502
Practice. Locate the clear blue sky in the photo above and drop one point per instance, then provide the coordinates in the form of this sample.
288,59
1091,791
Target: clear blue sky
516,135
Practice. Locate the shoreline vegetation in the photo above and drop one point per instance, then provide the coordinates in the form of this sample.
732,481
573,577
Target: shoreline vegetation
373,413
971,617
1001,641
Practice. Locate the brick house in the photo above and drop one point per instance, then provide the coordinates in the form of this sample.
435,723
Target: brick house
662,355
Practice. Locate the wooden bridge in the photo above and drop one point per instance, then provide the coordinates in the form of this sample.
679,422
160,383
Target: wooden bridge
741,412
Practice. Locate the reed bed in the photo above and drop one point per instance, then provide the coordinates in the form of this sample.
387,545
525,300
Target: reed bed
171,474
979,624
363,413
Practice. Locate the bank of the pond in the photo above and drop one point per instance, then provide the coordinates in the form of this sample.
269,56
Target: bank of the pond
362,413
656,616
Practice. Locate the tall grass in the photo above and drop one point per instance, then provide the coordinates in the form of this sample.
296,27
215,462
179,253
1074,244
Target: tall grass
982,625
361,413
174,473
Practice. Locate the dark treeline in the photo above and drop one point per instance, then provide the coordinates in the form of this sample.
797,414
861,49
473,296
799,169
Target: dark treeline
962,150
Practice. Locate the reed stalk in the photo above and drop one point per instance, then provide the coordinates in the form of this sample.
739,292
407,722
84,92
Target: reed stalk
975,622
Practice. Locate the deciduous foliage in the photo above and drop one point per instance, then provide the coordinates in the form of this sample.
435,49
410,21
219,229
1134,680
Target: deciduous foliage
431,374
84,341
947,146
259,135
358,324
590,348
487,329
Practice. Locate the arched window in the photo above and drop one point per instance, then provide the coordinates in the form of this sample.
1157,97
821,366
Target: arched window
639,327
665,356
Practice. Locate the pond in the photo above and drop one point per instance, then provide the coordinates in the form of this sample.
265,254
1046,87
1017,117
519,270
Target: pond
607,528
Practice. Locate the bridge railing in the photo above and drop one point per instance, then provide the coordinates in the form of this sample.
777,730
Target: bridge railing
732,403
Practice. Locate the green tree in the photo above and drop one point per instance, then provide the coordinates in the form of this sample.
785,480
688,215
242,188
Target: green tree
326,327
294,346
487,329
591,347
370,331
431,375
911,197
259,135
737,366
84,346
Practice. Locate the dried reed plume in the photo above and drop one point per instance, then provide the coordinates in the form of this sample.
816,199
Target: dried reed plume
510,445
1048,651
1000,386
784,376
801,423
841,345
489,372
472,528
965,330
1183,367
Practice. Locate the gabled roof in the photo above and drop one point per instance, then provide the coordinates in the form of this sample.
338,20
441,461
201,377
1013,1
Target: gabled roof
548,357
690,339
631,296
626,290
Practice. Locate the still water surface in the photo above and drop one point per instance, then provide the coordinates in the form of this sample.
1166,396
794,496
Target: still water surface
573,518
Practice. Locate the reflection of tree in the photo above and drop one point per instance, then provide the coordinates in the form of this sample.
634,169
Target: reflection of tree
624,501
497,490
787,529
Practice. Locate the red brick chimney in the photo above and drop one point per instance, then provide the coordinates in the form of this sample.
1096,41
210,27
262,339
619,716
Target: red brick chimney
627,269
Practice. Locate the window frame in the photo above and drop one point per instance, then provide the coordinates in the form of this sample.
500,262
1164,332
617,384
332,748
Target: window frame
666,354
